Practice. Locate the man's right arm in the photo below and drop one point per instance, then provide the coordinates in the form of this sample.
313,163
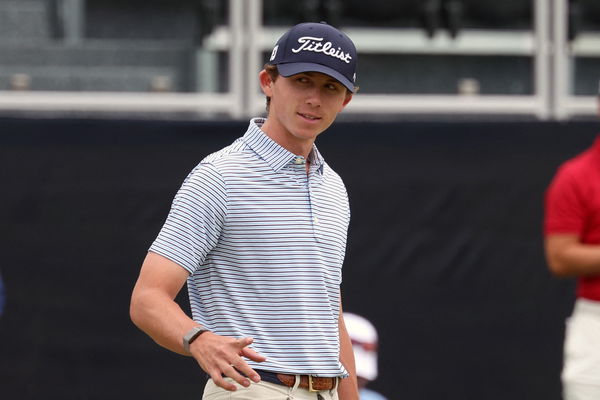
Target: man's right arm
153,309
565,218
568,257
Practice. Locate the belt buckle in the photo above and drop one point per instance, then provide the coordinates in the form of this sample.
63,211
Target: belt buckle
310,384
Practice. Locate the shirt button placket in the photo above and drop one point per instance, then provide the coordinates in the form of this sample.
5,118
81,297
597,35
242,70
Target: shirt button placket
314,214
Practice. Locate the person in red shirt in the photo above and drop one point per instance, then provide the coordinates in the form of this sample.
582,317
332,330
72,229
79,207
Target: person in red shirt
572,249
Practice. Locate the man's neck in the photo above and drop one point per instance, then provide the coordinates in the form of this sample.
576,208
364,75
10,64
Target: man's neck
288,141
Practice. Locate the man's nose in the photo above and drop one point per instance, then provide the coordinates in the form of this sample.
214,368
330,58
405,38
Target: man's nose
313,97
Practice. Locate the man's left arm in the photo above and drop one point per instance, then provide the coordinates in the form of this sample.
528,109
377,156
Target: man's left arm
348,387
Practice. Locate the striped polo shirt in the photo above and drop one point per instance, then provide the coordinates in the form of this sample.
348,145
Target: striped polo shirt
264,245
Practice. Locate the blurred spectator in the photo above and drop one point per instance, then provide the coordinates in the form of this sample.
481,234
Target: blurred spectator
364,343
572,244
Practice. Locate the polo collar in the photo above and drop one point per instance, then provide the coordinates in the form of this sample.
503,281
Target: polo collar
276,156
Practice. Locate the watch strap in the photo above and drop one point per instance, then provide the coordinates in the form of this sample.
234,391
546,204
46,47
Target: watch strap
192,335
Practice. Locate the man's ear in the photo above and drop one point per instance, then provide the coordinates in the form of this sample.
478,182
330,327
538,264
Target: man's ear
265,82
346,99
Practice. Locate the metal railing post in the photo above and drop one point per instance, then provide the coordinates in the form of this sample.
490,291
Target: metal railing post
561,70
542,58
236,56
254,55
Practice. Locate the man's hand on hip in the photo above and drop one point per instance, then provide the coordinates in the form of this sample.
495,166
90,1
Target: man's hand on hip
222,355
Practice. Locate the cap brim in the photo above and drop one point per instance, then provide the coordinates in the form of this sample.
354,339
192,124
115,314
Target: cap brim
289,69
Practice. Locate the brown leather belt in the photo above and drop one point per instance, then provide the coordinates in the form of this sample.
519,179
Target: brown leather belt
312,383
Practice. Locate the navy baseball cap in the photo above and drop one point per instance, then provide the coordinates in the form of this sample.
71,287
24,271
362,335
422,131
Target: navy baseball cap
316,47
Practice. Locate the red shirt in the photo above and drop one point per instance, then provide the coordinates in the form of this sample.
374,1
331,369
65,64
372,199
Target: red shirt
573,206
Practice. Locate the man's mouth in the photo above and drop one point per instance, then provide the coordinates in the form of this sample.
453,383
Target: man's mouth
309,117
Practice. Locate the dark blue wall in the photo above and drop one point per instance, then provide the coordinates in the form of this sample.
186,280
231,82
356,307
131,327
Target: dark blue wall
444,255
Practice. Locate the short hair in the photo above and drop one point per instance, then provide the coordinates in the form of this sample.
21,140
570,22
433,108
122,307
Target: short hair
274,74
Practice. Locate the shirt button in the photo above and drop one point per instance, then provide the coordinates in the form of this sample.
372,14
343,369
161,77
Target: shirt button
316,219
299,160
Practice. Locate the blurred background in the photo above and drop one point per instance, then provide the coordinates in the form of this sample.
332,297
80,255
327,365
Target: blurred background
465,110
537,59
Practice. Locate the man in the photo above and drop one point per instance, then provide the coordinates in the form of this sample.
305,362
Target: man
572,242
364,343
258,231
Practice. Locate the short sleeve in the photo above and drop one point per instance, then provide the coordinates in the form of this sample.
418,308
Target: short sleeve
564,205
194,224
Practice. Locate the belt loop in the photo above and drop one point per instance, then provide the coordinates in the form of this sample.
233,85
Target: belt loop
310,385
334,388
296,382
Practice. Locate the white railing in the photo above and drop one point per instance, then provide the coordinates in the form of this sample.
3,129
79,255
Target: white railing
201,104
245,39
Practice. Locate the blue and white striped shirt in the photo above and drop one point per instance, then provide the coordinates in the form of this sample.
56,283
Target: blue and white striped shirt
264,245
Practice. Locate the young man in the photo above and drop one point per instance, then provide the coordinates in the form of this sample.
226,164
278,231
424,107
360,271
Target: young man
572,241
258,231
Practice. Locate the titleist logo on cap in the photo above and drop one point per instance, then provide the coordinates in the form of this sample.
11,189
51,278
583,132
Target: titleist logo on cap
315,44
316,47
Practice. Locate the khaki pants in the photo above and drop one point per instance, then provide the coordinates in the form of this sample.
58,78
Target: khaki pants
581,371
264,391
578,391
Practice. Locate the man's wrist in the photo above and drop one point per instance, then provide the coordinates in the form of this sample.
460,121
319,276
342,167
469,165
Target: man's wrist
192,335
